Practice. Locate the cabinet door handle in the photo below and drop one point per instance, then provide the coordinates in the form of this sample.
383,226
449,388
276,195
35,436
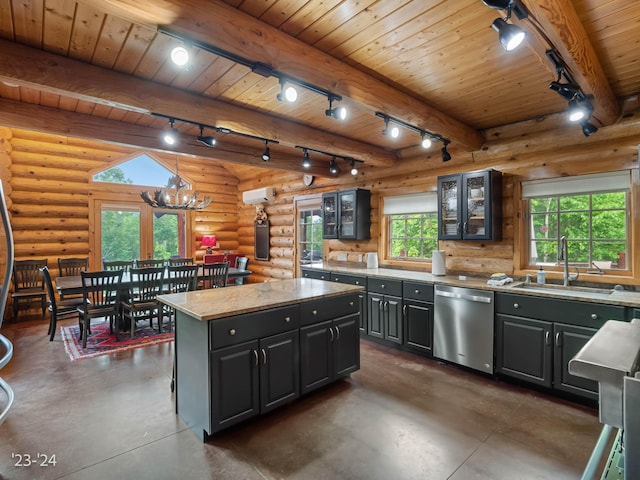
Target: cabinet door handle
404,310
594,316
381,305
337,332
331,334
382,286
287,319
255,356
314,312
321,277
558,342
547,336
386,306
458,228
351,304
417,292
264,356
232,331
357,282
466,227
516,305
336,279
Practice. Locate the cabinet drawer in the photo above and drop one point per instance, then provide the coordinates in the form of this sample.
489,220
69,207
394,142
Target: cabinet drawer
556,310
349,279
251,326
317,274
328,308
417,291
384,285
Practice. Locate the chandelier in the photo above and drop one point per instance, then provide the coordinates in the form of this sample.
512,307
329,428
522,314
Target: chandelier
175,195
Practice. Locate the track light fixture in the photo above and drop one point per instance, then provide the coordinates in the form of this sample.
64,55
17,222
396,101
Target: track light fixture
354,170
446,156
170,136
180,56
426,137
339,113
306,161
209,140
266,155
580,104
510,35
333,168
288,92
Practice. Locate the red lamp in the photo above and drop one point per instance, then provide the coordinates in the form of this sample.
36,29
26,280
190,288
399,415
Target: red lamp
209,241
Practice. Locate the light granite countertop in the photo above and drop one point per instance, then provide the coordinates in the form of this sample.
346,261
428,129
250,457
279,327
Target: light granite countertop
214,303
584,294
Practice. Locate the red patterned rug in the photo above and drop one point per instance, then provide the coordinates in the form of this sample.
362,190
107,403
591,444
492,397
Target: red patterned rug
100,342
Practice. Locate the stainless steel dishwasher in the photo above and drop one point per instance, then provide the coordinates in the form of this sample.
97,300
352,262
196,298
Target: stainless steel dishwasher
463,327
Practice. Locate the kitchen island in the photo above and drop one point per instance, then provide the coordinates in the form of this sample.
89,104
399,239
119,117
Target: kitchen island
246,350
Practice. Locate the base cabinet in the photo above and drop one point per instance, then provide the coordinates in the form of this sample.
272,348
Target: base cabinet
329,350
418,326
384,309
253,378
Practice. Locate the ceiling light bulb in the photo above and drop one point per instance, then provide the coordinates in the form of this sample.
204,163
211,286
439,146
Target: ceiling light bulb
170,136
291,94
340,113
180,56
580,109
354,170
426,142
333,168
395,132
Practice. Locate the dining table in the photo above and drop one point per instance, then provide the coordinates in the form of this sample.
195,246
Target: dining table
72,284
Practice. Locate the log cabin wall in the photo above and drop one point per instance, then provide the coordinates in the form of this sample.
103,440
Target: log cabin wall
46,179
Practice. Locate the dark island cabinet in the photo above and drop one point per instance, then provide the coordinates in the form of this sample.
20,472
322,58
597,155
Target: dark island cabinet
329,350
316,273
253,378
536,337
418,317
384,309
346,214
470,206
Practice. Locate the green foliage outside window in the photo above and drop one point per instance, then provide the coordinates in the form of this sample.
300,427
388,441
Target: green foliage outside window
413,235
310,231
595,226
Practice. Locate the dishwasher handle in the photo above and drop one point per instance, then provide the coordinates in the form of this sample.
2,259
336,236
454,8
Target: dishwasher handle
463,296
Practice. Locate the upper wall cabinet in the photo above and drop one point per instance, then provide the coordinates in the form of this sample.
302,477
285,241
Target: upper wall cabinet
346,214
470,206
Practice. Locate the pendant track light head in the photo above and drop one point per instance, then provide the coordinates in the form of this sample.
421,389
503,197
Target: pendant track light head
306,161
580,108
170,136
354,170
511,36
339,113
180,56
287,92
446,156
588,129
266,155
208,140
333,168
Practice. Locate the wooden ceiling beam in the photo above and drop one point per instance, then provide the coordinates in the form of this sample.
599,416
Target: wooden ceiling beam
218,24
561,25
59,122
64,76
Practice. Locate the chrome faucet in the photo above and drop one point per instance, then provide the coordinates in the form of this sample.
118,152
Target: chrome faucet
563,255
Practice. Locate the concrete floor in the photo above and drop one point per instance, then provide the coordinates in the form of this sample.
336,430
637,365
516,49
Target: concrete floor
399,417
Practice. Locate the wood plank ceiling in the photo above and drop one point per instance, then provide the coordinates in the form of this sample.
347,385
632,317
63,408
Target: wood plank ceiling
99,69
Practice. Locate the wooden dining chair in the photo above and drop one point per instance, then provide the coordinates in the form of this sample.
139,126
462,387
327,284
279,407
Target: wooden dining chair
100,298
149,262
181,278
214,275
69,267
58,310
111,265
177,261
28,285
142,302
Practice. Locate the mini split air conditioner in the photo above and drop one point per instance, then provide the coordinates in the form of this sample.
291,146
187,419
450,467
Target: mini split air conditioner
260,195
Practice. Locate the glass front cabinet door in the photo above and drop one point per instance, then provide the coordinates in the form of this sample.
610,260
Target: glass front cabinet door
346,214
470,206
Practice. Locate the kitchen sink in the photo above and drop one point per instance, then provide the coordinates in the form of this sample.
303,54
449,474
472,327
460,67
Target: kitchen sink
570,290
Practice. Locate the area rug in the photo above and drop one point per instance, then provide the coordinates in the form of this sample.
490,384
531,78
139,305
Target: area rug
100,342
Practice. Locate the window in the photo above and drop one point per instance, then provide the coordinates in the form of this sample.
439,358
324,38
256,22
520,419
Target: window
413,235
412,226
310,235
590,211
141,170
